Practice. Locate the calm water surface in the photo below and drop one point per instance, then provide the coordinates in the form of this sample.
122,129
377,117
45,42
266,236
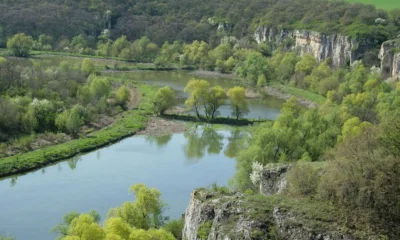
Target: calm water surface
268,108
32,204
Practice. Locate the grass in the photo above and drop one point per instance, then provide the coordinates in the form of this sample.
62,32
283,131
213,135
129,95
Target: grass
127,124
316,98
383,4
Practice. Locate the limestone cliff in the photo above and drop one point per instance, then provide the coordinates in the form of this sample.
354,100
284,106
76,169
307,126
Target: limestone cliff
390,59
342,49
236,216
216,215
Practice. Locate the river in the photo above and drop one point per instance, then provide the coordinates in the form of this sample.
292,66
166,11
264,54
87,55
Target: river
32,204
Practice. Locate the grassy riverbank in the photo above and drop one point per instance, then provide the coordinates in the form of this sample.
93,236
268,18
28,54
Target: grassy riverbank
125,125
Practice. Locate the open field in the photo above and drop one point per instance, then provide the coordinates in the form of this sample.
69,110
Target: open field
384,4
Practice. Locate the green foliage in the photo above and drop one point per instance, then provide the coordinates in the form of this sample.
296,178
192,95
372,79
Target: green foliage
204,230
262,81
123,95
254,66
198,93
99,87
303,179
238,100
20,45
87,66
75,119
175,227
163,99
145,212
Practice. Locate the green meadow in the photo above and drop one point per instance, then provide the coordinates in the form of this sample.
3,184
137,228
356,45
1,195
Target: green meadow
384,4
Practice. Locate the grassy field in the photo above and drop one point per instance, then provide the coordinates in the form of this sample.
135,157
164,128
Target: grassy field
126,125
383,4
301,93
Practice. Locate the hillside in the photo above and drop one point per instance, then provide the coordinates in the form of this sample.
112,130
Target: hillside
185,20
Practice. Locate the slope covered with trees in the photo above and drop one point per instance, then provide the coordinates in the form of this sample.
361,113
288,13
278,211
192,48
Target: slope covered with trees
186,20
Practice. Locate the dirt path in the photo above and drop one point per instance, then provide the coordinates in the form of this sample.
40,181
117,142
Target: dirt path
158,127
135,97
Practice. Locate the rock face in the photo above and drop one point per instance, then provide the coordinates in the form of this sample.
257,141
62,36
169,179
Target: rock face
390,59
342,49
236,216
274,180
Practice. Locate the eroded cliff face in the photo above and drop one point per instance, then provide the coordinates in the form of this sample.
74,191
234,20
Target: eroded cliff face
390,59
342,49
273,215
236,216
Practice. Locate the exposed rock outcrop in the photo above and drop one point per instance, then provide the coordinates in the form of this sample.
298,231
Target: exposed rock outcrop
342,49
273,179
390,59
236,216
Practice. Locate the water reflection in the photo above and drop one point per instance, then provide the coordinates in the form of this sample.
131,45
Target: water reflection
160,141
236,142
74,161
202,138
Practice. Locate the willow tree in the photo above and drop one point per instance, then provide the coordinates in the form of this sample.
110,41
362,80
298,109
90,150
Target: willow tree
198,93
239,103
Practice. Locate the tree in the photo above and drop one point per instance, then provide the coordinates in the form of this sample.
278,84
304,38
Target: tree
123,95
216,98
306,64
75,119
198,93
145,212
99,87
262,81
85,228
87,66
163,99
238,101
20,45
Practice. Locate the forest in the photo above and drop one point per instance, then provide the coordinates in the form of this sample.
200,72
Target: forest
70,102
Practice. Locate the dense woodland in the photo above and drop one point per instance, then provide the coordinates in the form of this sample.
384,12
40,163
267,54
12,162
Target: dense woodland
186,21
355,130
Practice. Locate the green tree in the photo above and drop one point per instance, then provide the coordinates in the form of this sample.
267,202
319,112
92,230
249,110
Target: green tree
145,212
198,94
163,99
306,64
84,227
99,87
75,119
254,66
87,66
239,103
175,227
20,45
30,121
216,98
262,81
123,95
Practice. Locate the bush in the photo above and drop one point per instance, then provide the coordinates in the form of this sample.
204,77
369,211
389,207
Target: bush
303,179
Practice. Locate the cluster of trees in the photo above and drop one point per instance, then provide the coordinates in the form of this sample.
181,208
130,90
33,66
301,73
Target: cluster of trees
203,97
141,219
38,98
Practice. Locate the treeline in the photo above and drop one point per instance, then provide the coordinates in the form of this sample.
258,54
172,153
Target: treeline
186,21
37,98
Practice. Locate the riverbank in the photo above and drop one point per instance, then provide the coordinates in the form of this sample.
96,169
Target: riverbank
124,125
